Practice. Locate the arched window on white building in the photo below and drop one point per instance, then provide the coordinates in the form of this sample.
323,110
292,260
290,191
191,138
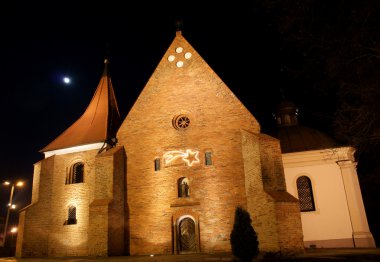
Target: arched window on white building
305,194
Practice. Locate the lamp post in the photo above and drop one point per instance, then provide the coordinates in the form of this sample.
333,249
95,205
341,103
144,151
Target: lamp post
9,207
13,232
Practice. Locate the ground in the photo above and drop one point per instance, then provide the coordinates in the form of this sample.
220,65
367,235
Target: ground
316,255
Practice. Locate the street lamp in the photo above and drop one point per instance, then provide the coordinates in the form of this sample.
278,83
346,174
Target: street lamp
10,206
13,232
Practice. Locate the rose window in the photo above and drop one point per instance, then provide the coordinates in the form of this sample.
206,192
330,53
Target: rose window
181,122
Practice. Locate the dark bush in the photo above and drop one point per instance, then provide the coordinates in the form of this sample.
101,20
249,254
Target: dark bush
244,244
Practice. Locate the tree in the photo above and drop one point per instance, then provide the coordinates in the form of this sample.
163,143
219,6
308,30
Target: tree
330,56
243,237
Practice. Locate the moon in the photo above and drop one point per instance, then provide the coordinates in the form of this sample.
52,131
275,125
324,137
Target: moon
66,80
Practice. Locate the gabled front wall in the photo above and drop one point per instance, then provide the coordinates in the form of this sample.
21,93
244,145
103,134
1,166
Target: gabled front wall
183,84
216,117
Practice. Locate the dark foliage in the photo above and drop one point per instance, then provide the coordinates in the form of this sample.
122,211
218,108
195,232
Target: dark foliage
329,52
329,59
243,240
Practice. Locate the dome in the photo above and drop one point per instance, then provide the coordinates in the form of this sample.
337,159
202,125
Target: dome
294,137
301,138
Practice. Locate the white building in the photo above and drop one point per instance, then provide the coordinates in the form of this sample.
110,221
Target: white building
323,176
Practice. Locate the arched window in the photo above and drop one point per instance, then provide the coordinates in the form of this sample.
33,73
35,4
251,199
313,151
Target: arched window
183,187
75,174
305,194
71,216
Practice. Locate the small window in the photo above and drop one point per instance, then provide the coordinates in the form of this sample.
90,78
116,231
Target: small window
75,174
183,187
305,194
208,160
71,216
157,164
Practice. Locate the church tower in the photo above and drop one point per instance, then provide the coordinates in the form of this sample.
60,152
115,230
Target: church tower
77,189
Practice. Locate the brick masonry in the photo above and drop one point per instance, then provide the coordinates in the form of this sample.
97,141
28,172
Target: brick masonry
125,206
241,171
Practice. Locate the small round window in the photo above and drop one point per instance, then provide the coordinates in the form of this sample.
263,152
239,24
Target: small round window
181,122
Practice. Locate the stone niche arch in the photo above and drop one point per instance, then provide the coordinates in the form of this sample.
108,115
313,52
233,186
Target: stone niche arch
186,237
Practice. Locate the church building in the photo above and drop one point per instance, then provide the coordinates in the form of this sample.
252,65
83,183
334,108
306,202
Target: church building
166,179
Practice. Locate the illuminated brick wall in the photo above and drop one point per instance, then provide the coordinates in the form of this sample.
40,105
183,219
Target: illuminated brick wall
183,84
35,220
44,230
286,207
107,208
130,201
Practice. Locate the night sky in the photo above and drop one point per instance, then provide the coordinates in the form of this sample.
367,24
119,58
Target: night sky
41,43
42,46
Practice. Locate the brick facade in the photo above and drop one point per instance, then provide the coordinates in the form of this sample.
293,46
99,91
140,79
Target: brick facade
129,205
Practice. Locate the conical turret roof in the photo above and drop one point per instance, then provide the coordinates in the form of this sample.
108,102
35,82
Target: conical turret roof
98,123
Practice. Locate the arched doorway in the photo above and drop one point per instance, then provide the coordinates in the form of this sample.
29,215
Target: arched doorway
187,235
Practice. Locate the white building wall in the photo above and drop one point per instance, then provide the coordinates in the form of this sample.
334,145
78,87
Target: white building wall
330,223
340,218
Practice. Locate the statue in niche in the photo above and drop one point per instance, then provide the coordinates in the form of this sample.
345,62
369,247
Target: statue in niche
184,192
187,193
